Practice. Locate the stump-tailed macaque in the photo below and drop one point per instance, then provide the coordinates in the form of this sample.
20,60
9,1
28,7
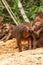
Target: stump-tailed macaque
24,33
37,28
20,32
38,18
8,29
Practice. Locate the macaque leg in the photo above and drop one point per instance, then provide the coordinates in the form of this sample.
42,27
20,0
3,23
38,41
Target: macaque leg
29,43
39,45
3,39
8,36
34,43
19,44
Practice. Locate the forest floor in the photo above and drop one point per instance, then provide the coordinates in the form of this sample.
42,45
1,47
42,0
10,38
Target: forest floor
10,55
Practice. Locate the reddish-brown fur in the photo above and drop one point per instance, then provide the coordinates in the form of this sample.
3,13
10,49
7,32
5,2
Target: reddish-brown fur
21,32
38,30
38,18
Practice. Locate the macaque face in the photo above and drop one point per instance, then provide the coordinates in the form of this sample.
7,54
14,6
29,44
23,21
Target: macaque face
6,28
38,19
37,26
38,22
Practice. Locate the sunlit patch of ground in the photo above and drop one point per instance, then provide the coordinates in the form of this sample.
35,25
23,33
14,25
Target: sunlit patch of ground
11,46
30,57
10,55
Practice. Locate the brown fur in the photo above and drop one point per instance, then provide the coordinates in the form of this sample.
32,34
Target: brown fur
38,30
22,32
38,18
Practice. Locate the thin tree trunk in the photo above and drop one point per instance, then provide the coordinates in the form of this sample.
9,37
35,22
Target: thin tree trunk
9,11
22,11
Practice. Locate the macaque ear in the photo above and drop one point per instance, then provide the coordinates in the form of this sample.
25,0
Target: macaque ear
1,19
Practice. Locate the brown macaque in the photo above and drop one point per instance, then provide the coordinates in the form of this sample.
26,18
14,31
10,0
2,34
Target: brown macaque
37,29
21,32
36,36
8,29
38,18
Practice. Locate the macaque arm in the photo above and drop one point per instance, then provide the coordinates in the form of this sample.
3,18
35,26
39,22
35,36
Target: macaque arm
19,42
4,38
9,34
37,33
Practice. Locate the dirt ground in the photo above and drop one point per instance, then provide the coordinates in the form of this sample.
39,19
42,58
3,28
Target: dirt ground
11,46
10,55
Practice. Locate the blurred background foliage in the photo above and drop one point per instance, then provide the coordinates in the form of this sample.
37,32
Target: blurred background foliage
31,7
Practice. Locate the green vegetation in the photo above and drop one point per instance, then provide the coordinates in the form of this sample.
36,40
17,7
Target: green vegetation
31,7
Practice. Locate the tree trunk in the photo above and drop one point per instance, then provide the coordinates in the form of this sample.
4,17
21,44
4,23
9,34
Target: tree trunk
22,11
